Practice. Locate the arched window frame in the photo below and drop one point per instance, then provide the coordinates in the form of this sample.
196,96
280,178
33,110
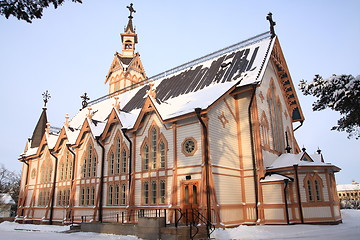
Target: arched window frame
313,185
46,169
117,155
65,166
117,161
89,166
276,119
110,194
116,194
145,156
124,159
146,193
111,163
154,149
123,194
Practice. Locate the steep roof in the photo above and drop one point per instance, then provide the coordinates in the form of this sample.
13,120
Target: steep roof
301,159
39,130
197,84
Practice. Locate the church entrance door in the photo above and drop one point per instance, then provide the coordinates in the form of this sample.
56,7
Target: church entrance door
190,199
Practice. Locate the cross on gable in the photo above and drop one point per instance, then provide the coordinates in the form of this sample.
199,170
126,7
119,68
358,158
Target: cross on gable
272,24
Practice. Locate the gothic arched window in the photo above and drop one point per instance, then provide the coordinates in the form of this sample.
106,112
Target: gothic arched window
276,121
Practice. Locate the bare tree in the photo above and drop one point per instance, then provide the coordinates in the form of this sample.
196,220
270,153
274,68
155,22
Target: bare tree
10,183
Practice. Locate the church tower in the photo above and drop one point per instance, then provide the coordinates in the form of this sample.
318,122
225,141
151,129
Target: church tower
126,68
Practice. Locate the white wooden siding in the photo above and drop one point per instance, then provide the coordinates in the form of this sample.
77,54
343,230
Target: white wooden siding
223,140
274,214
228,189
272,193
317,212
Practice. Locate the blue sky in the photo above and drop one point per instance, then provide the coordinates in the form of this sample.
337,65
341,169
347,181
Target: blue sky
69,52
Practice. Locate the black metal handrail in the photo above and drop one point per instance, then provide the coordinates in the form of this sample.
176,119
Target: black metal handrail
191,217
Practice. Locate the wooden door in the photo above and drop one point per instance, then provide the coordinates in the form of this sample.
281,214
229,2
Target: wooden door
190,199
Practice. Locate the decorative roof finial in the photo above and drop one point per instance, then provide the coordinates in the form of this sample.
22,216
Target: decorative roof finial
288,148
303,148
85,98
272,24
46,97
66,124
318,150
151,92
47,129
131,9
89,115
117,103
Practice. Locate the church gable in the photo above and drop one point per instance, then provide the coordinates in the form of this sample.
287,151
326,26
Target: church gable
115,66
286,83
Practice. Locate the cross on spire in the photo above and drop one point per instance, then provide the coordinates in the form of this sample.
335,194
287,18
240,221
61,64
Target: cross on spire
85,98
272,24
131,9
46,97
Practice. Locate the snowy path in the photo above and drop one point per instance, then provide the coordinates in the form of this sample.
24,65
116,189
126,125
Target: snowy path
349,230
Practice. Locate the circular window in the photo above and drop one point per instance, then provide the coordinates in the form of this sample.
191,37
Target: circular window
33,173
189,146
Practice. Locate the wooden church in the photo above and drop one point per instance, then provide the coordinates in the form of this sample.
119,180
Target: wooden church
214,137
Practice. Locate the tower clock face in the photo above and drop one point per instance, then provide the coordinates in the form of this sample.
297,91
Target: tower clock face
189,146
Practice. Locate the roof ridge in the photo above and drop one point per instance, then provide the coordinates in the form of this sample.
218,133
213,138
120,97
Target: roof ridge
194,62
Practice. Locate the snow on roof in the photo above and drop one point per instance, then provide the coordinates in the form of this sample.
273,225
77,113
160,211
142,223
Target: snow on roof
290,159
5,198
198,85
179,93
186,103
96,127
348,187
71,134
30,151
274,178
51,140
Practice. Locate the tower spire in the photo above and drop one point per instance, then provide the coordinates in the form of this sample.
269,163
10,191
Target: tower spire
40,127
129,28
129,37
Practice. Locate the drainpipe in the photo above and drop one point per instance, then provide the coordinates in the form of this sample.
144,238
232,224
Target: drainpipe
130,156
101,179
298,193
285,199
206,153
253,155
53,189
26,182
73,167
72,174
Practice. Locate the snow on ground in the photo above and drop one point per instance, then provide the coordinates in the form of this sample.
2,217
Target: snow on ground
349,230
16,231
